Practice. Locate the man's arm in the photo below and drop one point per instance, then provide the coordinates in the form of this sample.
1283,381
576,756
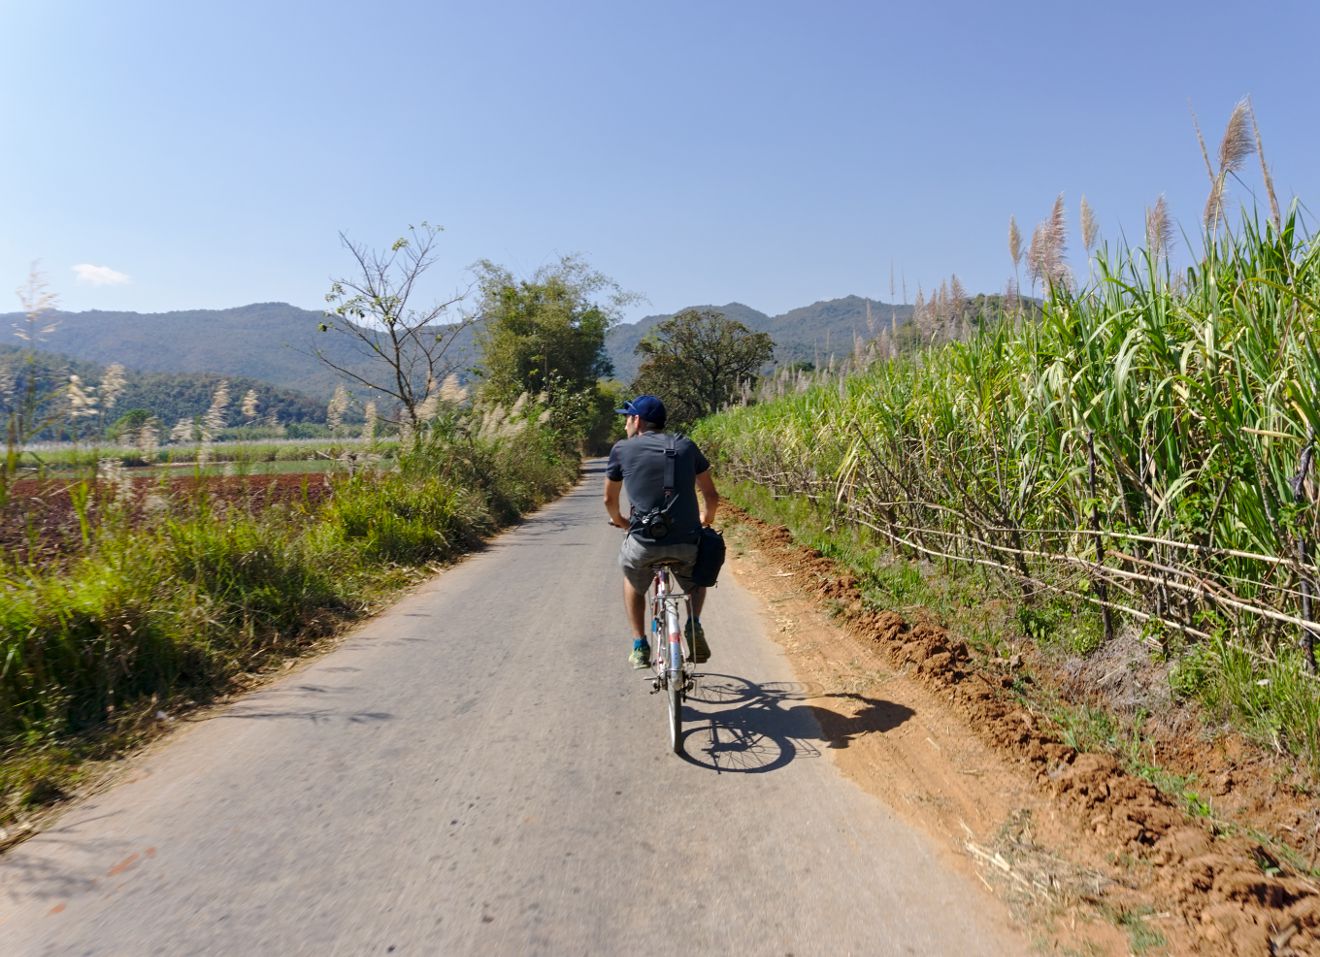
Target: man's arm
710,499
612,503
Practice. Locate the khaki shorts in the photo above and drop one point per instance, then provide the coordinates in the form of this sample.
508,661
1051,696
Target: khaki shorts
638,560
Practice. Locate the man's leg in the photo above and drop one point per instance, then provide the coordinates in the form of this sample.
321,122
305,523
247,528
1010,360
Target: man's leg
634,604
696,635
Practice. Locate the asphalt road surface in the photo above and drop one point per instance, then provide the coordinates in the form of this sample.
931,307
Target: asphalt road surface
478,771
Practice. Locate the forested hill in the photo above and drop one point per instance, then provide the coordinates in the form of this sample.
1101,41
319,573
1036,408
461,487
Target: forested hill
168,396
275,343
806,334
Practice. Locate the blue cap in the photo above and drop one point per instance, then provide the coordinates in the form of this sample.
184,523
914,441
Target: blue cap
649,407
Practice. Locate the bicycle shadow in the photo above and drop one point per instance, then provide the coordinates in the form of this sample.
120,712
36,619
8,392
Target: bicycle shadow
749,728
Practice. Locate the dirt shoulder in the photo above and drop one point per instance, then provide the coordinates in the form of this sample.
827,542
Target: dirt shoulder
1089,858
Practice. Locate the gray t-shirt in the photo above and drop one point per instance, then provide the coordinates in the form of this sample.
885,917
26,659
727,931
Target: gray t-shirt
639,463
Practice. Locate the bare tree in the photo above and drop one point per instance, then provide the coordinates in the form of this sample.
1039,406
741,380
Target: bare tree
405,348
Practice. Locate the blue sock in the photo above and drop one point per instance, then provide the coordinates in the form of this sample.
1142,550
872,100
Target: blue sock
639,643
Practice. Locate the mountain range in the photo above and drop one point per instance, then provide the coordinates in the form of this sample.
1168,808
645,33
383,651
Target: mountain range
276,343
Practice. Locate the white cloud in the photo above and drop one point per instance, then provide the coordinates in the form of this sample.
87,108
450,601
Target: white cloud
100,275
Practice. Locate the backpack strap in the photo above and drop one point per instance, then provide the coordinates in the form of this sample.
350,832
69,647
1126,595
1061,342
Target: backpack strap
671,456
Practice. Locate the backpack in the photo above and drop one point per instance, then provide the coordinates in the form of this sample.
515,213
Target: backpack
710,558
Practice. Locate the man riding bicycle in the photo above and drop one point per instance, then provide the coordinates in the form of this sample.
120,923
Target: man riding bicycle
640,464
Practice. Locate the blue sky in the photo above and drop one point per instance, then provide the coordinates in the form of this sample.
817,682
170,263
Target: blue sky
775,153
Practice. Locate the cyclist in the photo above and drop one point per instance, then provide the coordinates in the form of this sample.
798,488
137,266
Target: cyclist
638,465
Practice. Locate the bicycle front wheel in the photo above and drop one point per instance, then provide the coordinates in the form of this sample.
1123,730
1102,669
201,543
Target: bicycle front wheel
676,711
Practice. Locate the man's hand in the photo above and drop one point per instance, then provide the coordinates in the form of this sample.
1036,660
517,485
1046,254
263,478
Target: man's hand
710,498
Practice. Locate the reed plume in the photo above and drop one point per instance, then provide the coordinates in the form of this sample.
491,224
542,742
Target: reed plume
1237,143
1036,254
37,300
1014,242
82,399
1049,243
147,439
369,419
250,404
112,386
957,306
334,412
110,473
1234,149
452,391
1090,229
430,407
1159,229
214,421
1058,241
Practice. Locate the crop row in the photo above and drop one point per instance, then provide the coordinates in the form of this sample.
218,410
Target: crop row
1144,446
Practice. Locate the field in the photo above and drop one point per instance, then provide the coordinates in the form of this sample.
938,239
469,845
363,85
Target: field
1134,467
67,459
63,491
41,521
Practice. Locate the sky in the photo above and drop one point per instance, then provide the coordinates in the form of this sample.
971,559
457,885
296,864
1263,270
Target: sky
164,155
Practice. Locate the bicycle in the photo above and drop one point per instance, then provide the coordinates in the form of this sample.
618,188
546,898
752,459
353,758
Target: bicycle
669,658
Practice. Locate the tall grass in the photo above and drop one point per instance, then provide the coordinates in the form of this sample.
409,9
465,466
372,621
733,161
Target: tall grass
1190,397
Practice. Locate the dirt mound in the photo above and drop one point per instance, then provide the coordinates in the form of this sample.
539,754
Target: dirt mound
1231,895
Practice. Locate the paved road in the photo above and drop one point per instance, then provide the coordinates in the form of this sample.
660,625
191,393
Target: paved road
477,771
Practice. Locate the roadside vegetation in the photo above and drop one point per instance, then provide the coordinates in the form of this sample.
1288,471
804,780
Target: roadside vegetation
169,598
1132,465
145,569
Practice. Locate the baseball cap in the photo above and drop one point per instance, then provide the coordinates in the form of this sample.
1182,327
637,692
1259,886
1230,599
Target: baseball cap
649,407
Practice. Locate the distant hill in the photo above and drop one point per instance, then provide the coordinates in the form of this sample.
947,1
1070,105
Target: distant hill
168,396
275,343
807,334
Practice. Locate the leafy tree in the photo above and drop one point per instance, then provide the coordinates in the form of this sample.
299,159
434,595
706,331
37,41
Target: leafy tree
547,331
546,336
698,361
406,347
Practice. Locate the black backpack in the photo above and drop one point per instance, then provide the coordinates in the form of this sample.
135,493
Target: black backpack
710,558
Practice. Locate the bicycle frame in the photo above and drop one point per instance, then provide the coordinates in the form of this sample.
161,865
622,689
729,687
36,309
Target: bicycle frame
667,645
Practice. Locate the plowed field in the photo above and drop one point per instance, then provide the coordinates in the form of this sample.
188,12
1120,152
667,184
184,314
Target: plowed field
40,522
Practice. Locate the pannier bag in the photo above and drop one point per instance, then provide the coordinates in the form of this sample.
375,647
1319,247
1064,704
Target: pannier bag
710,558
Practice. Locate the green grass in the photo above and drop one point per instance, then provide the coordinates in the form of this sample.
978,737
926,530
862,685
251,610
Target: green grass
1142,938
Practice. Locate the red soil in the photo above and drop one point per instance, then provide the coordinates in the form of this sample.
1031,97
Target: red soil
1230,894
